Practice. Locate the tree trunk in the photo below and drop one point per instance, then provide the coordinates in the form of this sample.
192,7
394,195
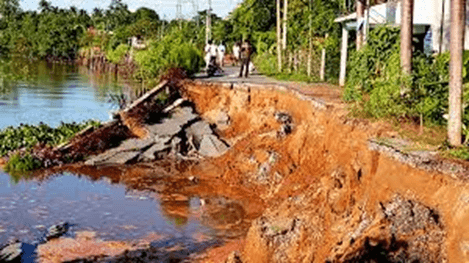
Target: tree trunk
285,9
323,62
295,61
406,35
279,38
360,11
310,47
458,17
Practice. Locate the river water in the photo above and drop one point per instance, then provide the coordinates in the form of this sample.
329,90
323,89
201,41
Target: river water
53,93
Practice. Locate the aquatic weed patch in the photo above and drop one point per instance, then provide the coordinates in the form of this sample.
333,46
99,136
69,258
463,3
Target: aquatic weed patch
18,163
19,142
26,136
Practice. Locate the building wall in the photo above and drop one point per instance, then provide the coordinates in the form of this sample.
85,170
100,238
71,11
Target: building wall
429,12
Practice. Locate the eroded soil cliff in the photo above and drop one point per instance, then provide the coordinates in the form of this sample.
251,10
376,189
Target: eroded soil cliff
330,198
305,186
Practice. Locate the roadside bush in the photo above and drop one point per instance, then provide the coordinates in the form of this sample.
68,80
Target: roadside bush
375,81
163,55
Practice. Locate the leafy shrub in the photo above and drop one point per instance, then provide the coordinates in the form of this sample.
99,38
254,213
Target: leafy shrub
375,81
116,56
169,53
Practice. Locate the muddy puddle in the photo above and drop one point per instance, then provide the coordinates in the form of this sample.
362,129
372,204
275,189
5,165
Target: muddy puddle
110,209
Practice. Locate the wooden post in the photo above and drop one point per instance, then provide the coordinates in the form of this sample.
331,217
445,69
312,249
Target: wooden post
458,15
343,56
323,62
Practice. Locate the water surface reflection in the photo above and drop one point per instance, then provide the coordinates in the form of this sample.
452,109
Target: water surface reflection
111,210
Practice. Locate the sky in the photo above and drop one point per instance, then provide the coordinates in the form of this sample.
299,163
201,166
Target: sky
165,8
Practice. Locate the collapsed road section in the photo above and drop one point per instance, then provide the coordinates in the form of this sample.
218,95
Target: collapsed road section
331,195
159,124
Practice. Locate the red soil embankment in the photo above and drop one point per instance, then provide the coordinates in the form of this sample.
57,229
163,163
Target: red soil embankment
330,198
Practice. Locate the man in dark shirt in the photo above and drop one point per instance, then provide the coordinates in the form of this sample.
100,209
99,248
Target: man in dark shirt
245,56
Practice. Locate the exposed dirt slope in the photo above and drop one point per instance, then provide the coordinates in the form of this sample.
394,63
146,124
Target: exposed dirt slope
331,198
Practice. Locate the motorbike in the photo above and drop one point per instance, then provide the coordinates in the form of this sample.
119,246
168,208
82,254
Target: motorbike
212,68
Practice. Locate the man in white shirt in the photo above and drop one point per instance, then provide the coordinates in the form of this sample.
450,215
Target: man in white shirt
221,54
236,49
207,49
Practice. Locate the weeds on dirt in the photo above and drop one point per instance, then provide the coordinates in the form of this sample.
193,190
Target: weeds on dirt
460,153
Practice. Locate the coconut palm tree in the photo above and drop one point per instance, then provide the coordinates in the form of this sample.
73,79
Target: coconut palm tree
360,11
406,35
458,18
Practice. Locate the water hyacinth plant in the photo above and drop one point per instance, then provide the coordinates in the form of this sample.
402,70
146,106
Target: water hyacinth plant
19,141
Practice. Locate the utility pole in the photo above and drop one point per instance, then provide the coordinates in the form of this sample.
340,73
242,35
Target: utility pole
208,32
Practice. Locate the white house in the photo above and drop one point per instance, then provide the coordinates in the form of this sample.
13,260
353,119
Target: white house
431,25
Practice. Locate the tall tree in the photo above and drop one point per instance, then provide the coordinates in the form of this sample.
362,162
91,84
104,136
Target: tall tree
9,8
458,18
406,35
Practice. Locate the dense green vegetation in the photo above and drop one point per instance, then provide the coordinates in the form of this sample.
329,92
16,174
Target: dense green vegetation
376,83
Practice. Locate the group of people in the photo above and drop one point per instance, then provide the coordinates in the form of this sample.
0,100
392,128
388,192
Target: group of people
214,52
242,53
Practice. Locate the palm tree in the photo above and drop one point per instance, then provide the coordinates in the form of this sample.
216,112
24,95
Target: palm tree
360,11
458,18
406,35
279,37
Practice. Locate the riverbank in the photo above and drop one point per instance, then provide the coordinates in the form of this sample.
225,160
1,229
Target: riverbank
327,189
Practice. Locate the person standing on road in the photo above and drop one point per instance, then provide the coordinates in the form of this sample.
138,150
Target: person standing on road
221,54
245,55
207,51
236,49
210,53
